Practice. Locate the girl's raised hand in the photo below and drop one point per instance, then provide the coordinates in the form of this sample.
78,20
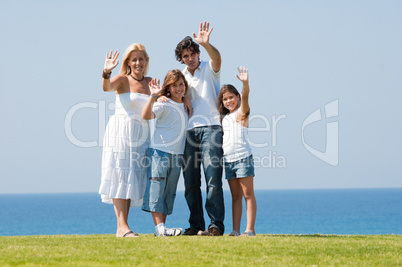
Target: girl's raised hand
243,74
154,86
111,61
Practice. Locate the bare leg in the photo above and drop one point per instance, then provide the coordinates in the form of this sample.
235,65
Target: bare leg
128,207
121,208
251,204
159,221
237,207
158,217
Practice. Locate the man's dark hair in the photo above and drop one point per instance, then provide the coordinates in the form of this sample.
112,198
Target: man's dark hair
186,43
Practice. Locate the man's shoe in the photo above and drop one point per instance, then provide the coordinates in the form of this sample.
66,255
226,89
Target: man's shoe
190,231
174,231
212,231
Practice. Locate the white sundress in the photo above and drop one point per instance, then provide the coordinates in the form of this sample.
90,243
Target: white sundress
125,145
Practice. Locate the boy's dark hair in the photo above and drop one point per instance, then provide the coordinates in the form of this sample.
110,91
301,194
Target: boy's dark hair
186,43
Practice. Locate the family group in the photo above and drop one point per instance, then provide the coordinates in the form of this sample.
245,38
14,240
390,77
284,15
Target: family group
196,123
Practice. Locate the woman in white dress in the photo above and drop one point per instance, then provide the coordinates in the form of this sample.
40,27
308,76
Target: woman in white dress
127,135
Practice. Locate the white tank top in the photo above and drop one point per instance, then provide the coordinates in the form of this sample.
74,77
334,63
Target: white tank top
235,145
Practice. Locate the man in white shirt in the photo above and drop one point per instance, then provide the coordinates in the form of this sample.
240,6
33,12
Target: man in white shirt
204,135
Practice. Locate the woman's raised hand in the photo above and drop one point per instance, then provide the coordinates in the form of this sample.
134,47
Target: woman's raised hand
154,86
111,61
243,74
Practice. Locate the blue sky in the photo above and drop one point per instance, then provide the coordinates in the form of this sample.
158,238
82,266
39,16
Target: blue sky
301,55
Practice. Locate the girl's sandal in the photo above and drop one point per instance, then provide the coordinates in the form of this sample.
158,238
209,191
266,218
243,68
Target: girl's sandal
234,233
247,233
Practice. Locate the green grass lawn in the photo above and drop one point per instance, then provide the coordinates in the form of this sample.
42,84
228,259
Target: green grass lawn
147,250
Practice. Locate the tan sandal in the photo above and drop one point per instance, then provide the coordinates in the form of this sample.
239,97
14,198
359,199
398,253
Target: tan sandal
129,233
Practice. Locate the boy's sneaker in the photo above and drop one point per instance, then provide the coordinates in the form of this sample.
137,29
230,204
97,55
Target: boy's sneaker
160,233
173,231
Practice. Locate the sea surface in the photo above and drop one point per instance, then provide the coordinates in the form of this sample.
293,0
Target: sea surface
322,211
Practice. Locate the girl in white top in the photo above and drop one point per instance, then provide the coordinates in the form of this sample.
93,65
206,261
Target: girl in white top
166,148
238,158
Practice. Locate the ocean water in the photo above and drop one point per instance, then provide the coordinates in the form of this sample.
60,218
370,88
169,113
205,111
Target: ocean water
332,211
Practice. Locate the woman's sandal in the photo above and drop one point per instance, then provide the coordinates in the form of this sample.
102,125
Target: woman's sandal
247,233
129,233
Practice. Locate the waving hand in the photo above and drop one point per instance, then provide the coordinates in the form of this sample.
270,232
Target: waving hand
154,86
203,34
243,74
111,61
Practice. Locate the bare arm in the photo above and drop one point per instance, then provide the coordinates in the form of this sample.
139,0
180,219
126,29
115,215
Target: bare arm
203,39
215,58
188,106
244,78
147,113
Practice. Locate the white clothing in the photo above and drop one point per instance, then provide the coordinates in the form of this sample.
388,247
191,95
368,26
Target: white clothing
203,92
125,144
170,127
235,145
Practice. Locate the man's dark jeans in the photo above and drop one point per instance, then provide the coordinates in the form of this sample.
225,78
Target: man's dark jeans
204,145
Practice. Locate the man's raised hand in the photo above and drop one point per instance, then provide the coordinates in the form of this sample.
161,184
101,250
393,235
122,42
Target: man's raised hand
203,34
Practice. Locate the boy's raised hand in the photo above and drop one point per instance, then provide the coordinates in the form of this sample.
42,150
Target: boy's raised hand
111,61
154,86
243,74
203,34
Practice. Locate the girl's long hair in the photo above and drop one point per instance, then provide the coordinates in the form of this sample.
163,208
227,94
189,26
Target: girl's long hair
171,77
228,88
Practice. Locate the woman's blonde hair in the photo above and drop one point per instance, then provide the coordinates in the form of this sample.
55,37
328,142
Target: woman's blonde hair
125,69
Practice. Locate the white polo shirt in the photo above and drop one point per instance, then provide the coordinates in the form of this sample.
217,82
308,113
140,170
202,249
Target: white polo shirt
203,92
